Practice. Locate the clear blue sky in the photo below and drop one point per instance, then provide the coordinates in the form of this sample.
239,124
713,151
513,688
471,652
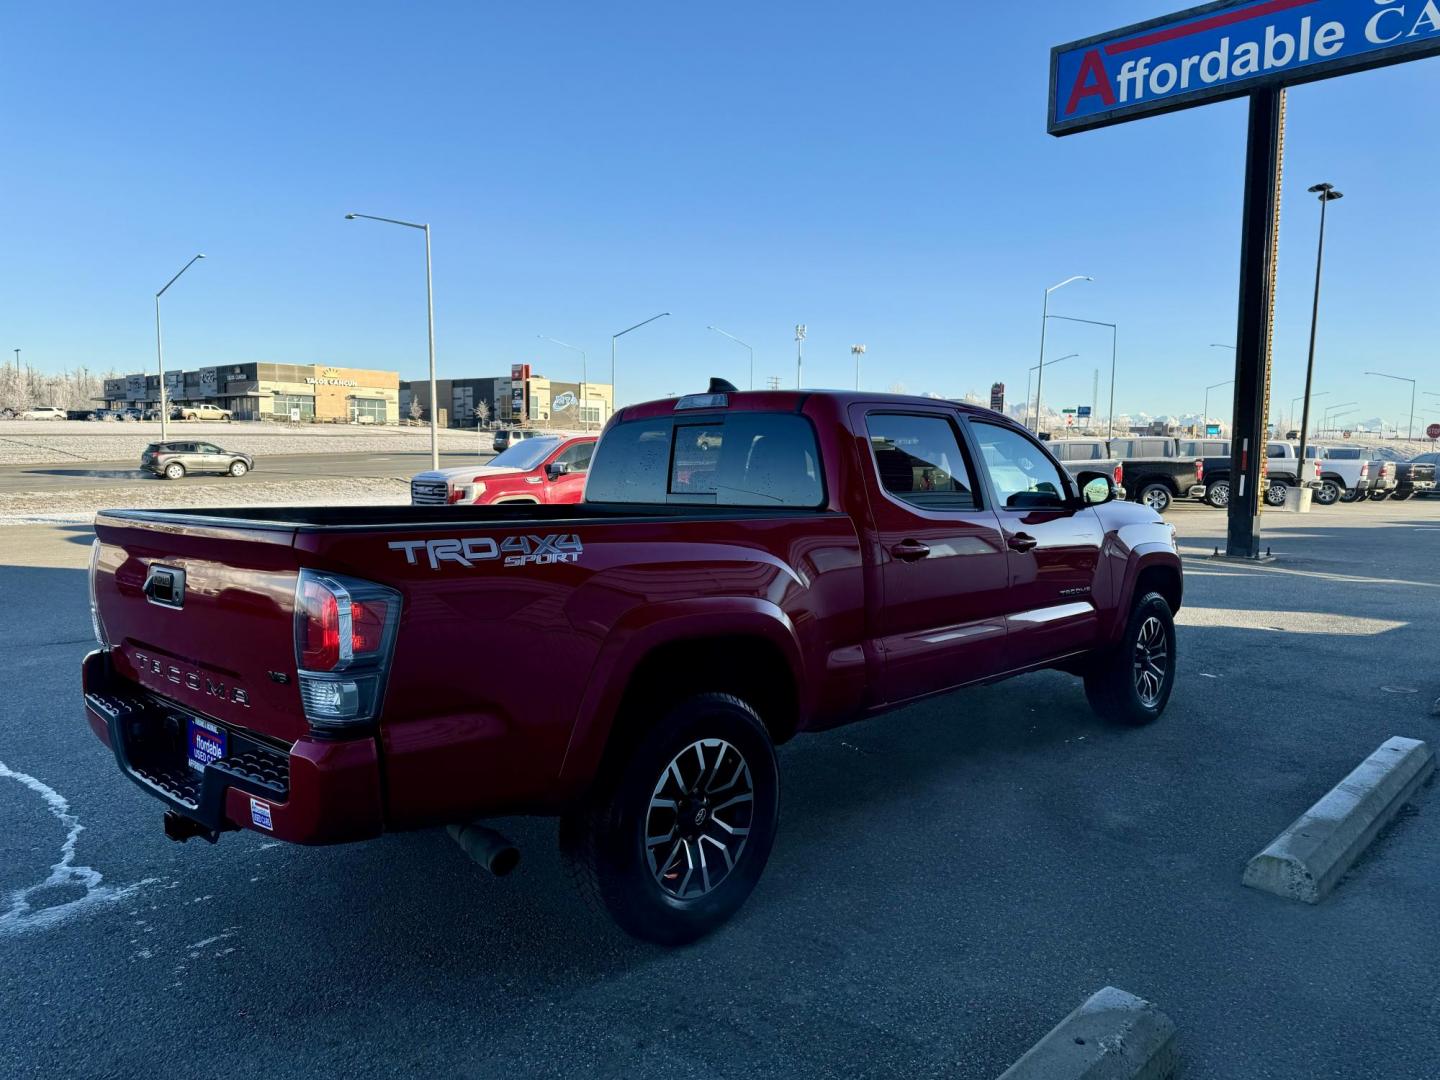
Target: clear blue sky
878,172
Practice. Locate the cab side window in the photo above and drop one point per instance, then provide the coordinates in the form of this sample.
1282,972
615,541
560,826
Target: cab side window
919,461
1022,476
577,457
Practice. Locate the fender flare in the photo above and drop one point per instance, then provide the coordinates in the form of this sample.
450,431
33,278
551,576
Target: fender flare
647,628
1142,558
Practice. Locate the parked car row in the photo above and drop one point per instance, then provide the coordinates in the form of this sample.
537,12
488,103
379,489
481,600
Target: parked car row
1157,471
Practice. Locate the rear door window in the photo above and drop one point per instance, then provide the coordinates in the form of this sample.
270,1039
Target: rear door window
735,459
918,460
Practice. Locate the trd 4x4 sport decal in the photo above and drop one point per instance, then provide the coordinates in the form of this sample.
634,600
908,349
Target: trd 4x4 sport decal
514,550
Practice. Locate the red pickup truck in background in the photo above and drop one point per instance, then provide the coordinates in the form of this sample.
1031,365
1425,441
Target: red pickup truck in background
746,566
547,469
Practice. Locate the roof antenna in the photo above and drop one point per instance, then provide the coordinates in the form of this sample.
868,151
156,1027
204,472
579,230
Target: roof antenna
721,386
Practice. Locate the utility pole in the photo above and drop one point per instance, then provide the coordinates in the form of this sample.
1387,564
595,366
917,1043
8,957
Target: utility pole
1327,194
772,382
800,331
857,351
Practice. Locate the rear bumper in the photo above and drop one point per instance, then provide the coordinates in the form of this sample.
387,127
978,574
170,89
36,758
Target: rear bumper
1197,491
316,792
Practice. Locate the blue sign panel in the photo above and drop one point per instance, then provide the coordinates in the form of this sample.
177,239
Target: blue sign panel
1084,412
1227,49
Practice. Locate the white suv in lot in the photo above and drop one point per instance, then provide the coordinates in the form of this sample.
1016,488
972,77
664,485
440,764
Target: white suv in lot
43,412
203,411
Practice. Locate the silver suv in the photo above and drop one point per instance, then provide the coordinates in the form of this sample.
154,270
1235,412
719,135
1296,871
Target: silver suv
173,460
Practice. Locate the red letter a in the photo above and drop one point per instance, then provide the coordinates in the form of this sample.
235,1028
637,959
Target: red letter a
1093,69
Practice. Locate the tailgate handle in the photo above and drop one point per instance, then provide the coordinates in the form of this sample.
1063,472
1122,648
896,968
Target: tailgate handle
165,586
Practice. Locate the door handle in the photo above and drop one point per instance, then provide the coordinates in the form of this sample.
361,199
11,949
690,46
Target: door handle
1022,542
910,551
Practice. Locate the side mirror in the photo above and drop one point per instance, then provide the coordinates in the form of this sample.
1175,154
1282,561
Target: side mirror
557,470
1096,489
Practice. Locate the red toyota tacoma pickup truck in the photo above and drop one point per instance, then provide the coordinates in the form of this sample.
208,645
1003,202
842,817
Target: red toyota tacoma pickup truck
746,566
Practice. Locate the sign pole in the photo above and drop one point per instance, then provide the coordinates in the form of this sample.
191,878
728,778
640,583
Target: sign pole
1257,283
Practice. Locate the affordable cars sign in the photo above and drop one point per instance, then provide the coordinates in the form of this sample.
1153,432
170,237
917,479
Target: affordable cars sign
1227,49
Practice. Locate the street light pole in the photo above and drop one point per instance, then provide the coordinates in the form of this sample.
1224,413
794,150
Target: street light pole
857,351
1325,416
737,341
1296,401
1029,376
1044,326
159,351
583,367
430,322
1327,194
800,332
614,397
1114,350
1410,431
1205,419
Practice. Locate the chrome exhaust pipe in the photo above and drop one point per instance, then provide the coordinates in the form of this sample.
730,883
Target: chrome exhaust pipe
497,854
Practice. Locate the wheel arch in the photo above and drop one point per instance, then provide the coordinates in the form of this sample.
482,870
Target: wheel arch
750,652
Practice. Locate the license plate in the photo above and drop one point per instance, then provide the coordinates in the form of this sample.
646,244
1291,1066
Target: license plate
205,743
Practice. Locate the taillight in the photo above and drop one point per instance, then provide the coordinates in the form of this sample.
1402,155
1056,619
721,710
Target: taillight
95,623
344,638
1199,472
1364,470
1119,474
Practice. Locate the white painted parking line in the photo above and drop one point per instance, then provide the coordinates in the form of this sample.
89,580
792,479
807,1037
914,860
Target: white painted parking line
21,916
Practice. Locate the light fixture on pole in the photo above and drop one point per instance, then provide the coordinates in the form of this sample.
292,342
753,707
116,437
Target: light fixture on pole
737,341
584,367
1325,416
17,361
1205,419
159,351
800,332
430,322
857,351
1114,349
1410,431
1296,401
1335,418
614,396
1029,376
1326,194
1044,326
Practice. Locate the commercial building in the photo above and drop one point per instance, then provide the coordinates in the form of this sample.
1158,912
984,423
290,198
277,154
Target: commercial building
521,398
255,391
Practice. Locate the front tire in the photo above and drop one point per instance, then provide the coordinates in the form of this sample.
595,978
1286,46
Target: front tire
238,468
677,831
1131,684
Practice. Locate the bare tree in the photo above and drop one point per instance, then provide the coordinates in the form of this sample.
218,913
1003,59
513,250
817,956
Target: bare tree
415,410
482,413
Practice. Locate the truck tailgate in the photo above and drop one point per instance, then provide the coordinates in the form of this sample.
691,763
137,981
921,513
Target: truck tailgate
212,630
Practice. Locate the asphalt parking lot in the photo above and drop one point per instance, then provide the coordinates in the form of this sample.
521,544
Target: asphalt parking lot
949,881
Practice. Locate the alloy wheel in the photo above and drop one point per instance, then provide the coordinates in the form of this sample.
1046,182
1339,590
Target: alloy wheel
699,818
1152,662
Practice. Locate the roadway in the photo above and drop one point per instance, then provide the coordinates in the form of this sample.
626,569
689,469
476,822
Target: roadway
948,882
91,474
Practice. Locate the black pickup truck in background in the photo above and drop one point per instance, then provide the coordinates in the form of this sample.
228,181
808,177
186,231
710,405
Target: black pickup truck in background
1156,473
1414,478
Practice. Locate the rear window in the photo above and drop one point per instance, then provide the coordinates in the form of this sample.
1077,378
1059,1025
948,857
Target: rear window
738,459
1077,451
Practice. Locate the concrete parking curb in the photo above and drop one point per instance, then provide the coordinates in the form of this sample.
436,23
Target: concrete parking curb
1112,1036
1307,860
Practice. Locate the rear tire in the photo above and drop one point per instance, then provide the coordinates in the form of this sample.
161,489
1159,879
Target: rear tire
1156,496
1329,492
703,785
1218,494
1350,496
1131,684
174,471
1403,496
1275,494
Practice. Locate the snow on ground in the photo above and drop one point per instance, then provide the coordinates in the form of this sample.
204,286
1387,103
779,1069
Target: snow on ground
28,507
39,442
